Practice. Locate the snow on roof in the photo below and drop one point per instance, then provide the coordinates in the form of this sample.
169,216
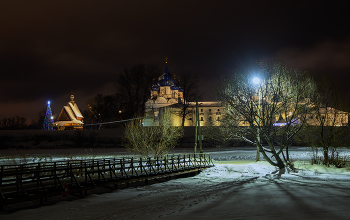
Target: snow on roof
75,110
70,114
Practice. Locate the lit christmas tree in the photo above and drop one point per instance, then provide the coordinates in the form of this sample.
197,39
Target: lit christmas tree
48,121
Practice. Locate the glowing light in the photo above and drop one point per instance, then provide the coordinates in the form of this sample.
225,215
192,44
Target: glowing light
256,80
48,102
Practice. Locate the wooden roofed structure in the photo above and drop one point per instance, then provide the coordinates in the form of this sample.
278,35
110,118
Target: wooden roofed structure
70,117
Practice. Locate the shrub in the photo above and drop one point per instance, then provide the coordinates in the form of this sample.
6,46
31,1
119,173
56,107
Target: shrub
155,140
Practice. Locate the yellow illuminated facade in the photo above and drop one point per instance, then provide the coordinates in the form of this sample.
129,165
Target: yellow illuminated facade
166,92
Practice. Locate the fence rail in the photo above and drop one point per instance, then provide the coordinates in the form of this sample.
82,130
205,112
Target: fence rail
24,182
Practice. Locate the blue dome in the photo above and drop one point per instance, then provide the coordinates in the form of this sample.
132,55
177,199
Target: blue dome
155,88
175,87
166,80
166,69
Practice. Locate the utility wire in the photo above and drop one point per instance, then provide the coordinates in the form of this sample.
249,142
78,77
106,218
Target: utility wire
111,122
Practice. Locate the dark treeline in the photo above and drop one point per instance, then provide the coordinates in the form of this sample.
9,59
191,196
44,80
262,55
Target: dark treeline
13,123
103,108
132,92
20,123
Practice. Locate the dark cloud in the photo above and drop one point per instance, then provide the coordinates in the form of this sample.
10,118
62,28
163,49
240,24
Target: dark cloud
49,48
321,57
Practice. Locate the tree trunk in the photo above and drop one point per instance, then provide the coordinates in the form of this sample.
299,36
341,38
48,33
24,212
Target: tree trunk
325,155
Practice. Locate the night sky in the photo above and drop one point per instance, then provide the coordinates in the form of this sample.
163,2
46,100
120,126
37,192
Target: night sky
50,48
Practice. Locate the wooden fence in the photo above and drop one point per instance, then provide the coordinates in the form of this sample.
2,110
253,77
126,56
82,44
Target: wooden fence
39,181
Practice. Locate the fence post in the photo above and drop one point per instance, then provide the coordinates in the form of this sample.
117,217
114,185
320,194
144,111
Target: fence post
98,170
55,173
141,166
1,174
172,163
184,161
110,168
85,170
71,173
17,180
132,166
38,176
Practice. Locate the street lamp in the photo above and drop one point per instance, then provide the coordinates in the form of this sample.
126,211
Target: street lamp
256,81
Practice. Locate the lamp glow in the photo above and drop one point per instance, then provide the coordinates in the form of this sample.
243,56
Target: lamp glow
48,102
256,80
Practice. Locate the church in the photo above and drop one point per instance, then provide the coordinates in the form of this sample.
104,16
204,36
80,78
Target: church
70,117
167,92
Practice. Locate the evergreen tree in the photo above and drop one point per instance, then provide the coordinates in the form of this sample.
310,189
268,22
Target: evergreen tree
48,121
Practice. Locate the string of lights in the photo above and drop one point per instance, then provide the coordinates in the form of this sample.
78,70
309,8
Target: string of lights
111,122
48,120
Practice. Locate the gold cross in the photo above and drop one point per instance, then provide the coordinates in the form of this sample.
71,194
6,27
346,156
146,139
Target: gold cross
166,59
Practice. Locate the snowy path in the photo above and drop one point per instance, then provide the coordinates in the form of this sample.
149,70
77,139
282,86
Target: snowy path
226,191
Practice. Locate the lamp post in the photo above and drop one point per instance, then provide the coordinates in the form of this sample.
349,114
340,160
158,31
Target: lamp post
256,81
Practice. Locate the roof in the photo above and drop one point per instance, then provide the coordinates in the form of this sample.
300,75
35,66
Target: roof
70,114
166,69
75,109
167,79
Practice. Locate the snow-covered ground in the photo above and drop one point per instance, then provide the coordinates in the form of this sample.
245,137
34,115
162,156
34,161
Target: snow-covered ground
236,188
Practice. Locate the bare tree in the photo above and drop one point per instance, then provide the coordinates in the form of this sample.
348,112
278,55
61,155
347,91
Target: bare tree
103,108
278,100
156,140
13,123
38,122
189,84
134,87
327,125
